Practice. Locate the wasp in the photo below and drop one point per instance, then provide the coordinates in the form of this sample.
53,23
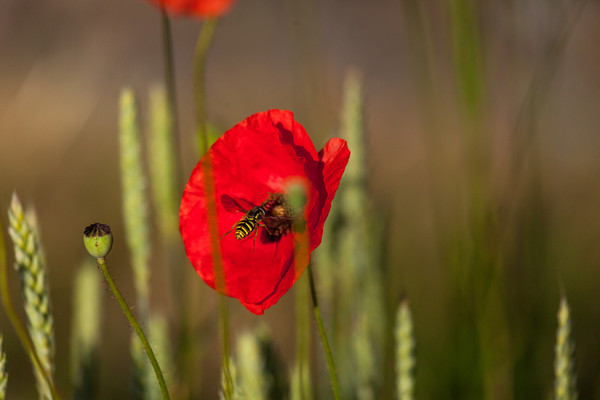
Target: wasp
272,214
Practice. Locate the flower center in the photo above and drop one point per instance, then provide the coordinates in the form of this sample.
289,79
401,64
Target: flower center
279,216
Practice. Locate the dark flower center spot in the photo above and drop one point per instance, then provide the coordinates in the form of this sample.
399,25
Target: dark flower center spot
279,219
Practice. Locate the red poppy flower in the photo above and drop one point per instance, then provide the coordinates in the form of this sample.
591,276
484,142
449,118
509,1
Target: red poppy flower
197,8
252,164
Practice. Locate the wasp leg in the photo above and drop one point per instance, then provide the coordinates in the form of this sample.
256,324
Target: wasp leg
262,224
229,230
254,240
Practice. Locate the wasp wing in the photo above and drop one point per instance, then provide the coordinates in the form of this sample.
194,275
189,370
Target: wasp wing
233,205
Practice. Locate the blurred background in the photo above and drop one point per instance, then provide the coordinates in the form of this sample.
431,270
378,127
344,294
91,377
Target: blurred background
481,164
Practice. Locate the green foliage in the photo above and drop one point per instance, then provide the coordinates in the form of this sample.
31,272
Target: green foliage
565,378
86,331
31,265
467,54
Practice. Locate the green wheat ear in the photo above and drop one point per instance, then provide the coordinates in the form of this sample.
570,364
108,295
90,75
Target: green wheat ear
252,378
144,385
260,373
86,331
300,388
34,284
405,357
237,394
135,204
3,374
159,337
139,369
162,153
565,379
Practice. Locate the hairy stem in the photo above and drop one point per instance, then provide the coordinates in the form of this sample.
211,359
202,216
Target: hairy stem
136,327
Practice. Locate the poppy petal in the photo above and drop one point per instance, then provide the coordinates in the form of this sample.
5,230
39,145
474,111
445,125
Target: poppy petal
196,8
333,160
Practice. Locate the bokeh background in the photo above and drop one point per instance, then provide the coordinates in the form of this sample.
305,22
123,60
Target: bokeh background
482,154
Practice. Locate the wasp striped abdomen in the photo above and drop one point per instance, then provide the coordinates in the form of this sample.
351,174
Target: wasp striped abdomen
249,223
273,215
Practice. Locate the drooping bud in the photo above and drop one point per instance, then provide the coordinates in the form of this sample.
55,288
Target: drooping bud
97,239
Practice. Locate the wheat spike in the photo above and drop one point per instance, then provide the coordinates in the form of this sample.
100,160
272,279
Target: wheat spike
251,368
565,379
34,284
237,394
3,374
159,337
162,153
405,358
86,331
135,204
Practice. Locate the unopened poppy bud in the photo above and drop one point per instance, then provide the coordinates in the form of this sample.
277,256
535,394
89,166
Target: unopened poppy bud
97,239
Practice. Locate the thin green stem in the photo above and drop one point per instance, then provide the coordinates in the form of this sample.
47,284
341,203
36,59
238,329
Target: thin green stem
169,70
170,83
136,327
16,323
224,319
302,337
200,54
181,291
330,364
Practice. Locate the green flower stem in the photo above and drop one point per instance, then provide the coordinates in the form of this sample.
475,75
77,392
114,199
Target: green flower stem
200,54
303,338
224,319
330,364
169,70
136,327
16,323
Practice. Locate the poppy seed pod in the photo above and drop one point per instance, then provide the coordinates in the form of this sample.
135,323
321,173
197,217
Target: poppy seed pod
98,240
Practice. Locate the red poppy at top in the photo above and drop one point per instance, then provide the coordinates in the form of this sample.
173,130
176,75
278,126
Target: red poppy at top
252,164
196,8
